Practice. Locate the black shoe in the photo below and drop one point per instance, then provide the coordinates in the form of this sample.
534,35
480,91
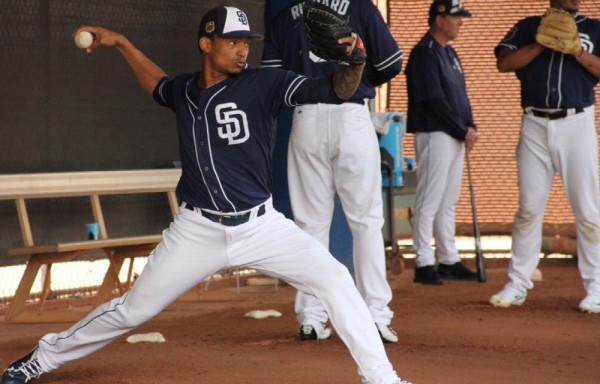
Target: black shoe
315,331
24,370
456,271
427,275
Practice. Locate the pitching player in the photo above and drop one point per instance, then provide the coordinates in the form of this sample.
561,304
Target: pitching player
558,134
439,114
334,148
225,119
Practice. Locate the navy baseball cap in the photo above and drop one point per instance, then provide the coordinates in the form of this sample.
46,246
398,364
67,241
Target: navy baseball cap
226,22
448,7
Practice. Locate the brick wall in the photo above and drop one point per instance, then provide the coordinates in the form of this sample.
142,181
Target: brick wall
496,107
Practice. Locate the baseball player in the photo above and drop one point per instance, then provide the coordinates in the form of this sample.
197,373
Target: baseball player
439,114
557,134
334,148
225,120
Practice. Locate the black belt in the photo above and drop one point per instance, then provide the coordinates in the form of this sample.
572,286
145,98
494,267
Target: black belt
561,114
227,219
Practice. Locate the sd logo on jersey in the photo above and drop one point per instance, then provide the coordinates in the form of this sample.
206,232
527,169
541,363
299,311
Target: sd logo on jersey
235,129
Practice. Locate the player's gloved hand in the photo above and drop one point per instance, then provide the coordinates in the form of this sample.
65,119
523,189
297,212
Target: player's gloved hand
558,31
329,36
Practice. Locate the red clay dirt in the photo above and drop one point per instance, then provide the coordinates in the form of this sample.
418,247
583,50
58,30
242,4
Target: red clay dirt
448,334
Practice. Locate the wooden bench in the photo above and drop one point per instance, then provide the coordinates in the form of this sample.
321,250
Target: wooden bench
79,184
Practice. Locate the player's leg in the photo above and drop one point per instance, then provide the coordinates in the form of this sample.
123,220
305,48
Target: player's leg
577,163
445,223
190,251
357,173
450,266
535,172
277,247
432,177
311,190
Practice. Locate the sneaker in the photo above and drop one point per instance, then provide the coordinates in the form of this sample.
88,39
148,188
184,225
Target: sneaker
591,304
317,331
507,297
388,335
24,370
427,275
456,271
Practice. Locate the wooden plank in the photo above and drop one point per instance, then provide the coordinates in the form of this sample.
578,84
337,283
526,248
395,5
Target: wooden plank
98,216
71,184
24,222
173,203
86,245
23,290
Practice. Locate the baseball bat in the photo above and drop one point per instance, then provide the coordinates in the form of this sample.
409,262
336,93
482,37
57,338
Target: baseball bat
479,261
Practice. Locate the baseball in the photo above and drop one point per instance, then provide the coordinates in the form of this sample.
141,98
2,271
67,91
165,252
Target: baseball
84,39
536,275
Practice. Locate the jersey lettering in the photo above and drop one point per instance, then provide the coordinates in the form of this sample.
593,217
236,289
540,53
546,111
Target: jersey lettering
586,42
339,6
236,123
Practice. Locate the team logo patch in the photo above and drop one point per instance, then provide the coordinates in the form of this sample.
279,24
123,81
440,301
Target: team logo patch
234,123
210,27
441,8
242,17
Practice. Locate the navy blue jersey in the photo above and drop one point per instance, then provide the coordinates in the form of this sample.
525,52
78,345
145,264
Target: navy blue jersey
226,132
286,45
552,79
434,73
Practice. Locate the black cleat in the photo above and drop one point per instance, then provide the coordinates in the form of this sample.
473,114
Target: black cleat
456,271
315,331
427,275
24,370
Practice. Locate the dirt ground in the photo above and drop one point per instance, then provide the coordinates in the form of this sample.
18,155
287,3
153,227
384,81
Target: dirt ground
448,334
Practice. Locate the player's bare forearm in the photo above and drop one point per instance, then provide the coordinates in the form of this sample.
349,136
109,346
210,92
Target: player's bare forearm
590,62
513,60
146,72
346,81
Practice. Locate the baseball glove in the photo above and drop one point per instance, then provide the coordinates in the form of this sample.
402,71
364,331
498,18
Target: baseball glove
558,31
324,27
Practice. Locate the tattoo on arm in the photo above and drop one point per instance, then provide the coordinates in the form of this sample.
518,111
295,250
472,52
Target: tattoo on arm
346,81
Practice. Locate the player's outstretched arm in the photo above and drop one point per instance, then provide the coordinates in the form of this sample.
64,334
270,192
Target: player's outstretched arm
513,60
146,72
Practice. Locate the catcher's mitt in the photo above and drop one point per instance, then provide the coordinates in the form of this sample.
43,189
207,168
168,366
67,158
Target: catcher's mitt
558,31
324,27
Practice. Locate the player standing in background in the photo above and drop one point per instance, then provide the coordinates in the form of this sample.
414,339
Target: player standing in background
334,148
439,114
225,120
558,134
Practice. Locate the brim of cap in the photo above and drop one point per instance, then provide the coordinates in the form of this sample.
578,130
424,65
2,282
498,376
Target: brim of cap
240,34
463,12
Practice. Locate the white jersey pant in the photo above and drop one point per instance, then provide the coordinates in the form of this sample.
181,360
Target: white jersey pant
568,146
334,148
194,248
439,177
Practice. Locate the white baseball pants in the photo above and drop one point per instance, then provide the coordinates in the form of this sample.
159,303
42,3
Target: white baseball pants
334,148
439,177
568,146
194,248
